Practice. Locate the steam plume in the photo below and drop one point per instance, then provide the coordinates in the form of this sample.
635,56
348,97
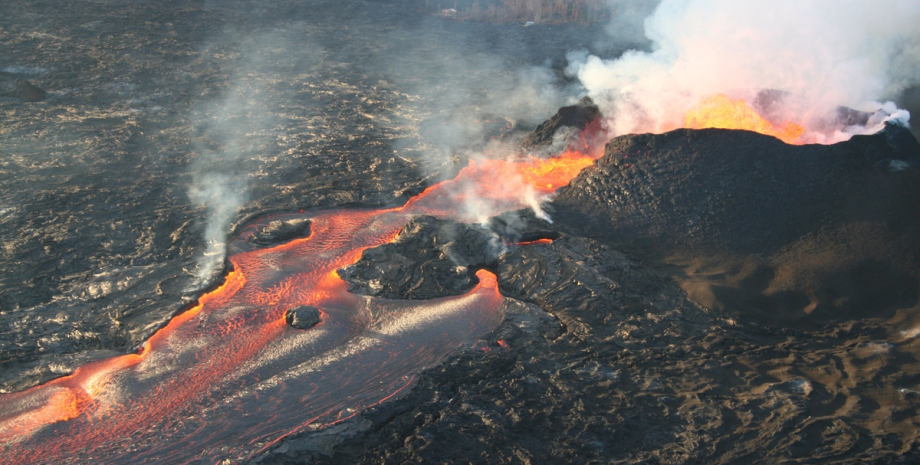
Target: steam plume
626,24
221,195
463,80
233,132
820,53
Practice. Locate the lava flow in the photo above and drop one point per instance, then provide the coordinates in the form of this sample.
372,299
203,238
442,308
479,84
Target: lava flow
720,111
228,378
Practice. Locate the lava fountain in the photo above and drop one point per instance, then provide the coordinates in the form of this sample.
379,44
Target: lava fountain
228,378
721,111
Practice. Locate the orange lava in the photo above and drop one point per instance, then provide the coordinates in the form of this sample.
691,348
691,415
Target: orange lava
720,111
230,371
538,241
544,175
554,172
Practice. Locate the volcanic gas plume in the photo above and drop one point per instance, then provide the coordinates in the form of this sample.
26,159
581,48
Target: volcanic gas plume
711,61
229,370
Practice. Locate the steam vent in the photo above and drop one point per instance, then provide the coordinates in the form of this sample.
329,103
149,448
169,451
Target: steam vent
494,231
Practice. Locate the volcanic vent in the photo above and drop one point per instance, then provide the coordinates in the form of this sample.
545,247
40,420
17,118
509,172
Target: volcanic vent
825,230
712,286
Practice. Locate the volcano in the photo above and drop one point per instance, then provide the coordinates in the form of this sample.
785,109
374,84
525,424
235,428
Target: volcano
417,269
690,282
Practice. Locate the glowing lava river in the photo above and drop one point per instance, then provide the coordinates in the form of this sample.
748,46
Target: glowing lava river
228,378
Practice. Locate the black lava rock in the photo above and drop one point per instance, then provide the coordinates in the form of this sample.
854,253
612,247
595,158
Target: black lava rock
11,86
278,231
429,258
577,117
437,258
738,190
303,316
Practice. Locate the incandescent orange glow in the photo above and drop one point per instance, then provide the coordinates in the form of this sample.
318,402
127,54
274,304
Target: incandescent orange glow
538,241
544,175
553,173
720,111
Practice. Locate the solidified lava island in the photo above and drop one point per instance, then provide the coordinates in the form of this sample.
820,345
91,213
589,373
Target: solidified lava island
491,231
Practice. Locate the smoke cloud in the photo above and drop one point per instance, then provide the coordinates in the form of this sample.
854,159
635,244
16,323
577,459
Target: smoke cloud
818,54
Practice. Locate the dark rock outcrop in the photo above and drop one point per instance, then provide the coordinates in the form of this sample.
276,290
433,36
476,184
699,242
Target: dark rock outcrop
12,86
429,258
302,316
278,231
575,117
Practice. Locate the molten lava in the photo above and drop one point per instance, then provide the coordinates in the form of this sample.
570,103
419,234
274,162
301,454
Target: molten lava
535,242
228,378
551,174
720,111
544,175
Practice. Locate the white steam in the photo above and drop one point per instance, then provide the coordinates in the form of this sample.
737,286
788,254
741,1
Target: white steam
479,203
478,207
464,87
221,195
626,23
233,131
819,53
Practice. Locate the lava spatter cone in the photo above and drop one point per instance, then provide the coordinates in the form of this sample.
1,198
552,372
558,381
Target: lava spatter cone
800,232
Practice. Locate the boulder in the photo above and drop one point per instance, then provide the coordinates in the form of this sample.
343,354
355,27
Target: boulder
278,231
303,316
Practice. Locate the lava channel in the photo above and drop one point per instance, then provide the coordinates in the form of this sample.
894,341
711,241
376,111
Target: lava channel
228,378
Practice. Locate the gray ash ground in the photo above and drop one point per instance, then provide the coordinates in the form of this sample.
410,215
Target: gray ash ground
603,357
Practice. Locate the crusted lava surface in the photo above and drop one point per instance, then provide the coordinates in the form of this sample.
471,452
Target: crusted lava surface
280,231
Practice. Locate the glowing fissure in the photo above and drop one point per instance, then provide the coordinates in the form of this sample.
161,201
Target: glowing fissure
229,371
535,242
